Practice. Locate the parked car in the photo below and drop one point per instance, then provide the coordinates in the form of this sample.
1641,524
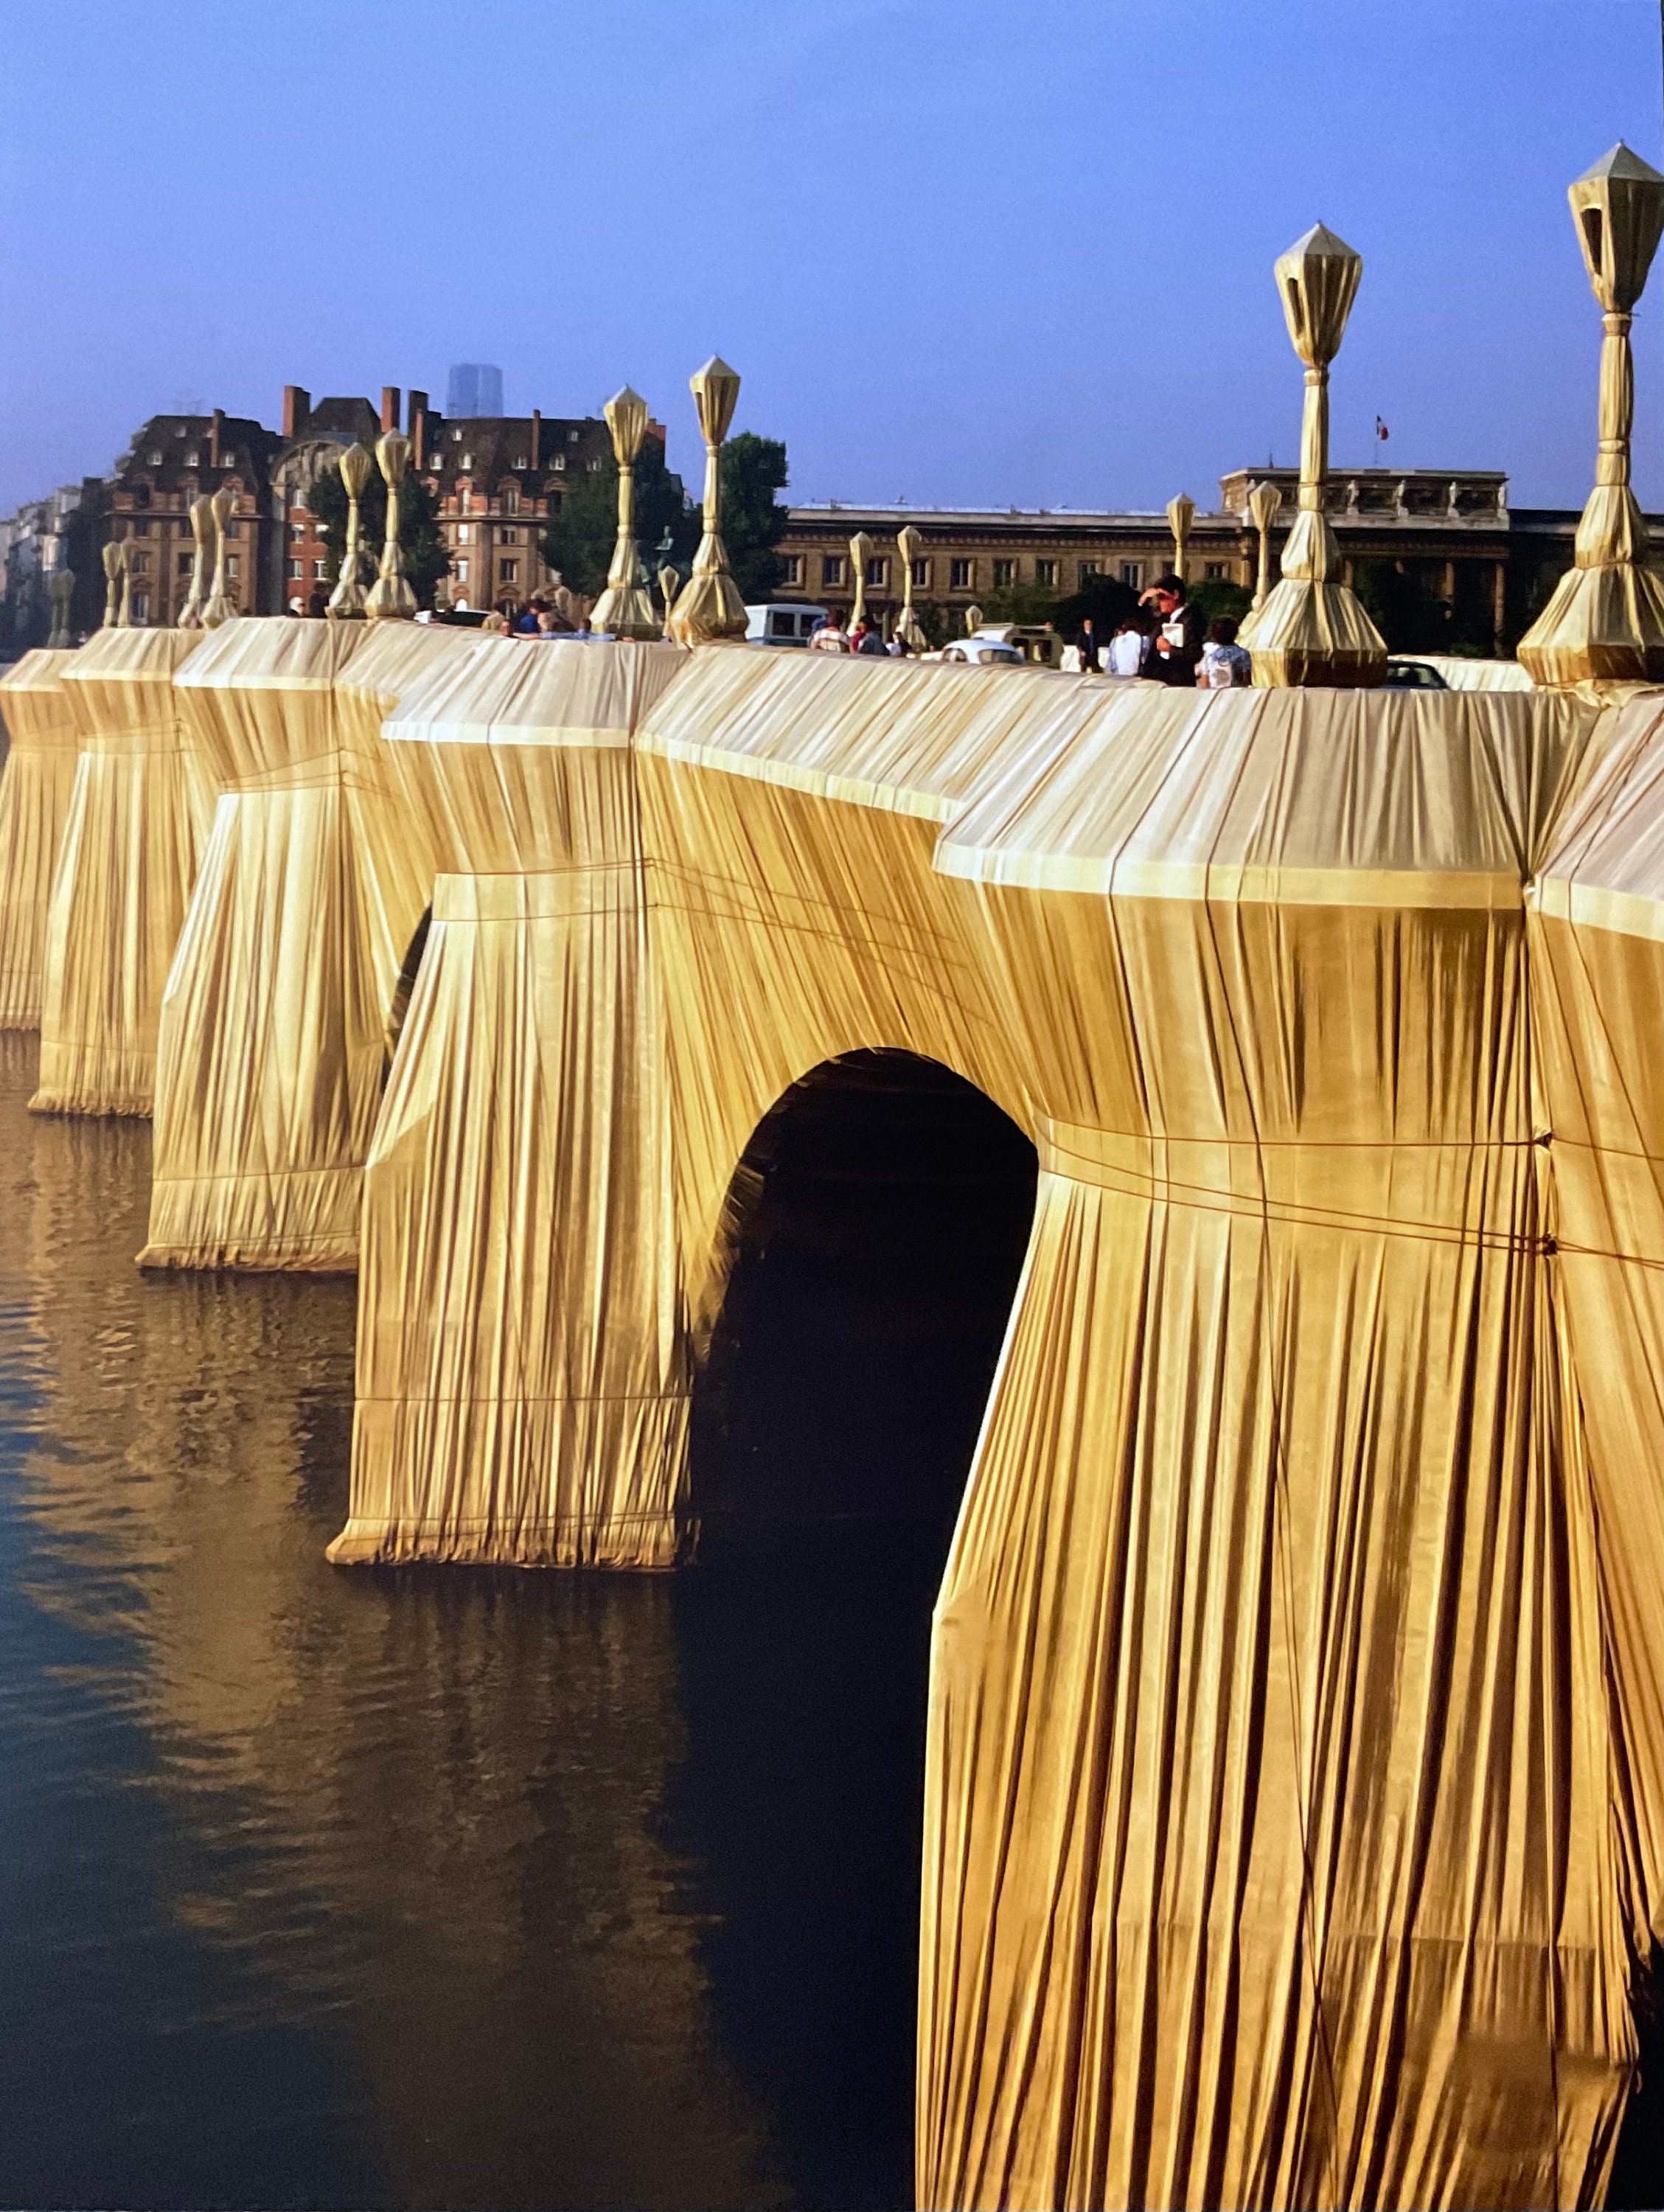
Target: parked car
1413,676
781,625
985,651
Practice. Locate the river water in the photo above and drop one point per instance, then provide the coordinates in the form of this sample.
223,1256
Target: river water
455,1887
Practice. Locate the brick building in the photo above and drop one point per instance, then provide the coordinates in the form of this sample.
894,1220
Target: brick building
498,479
173,459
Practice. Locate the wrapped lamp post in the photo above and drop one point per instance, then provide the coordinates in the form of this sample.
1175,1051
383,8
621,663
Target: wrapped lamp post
1606,620
219,608
346,602
202,515
708,605
909,626
1312,629
112,559
624,610
63,592
861,552
1264,502
1181,513
668,582
391,598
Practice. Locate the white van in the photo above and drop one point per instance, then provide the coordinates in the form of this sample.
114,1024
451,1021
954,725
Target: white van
781,625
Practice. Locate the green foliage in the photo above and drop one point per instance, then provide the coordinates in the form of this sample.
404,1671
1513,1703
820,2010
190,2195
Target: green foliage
577,541
1029,603
1214,598
1105,599
426,559
753,520
1409,616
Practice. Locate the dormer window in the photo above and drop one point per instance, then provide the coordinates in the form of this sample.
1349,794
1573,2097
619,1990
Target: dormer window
571,437
522,462
468,460
154,459
511,499
595,468
456,437
192,460
559,461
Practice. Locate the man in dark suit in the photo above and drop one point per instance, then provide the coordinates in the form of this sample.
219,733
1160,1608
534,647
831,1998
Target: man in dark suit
1177,645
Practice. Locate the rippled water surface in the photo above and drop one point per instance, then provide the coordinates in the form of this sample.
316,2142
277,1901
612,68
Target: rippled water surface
458,1888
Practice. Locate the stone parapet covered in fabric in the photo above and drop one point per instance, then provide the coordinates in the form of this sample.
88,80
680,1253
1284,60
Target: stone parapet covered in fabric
274,1028
45,744
138,816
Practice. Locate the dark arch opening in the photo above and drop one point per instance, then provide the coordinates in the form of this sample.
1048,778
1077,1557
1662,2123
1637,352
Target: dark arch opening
883,1211
408,972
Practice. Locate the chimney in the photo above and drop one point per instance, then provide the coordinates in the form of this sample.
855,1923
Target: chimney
416,421
297,410
214,430
655,430
536,437
390,407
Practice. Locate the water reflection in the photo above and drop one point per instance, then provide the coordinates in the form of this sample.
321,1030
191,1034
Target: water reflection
452,1889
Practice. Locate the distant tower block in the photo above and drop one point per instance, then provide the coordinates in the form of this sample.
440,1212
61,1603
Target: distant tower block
473,387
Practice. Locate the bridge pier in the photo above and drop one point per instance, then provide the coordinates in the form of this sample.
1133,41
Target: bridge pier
34,798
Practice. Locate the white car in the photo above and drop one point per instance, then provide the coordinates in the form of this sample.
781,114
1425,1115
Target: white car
984,652
788,624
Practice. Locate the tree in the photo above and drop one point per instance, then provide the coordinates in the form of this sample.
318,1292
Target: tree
753,520
426,559
1105,599
1411,619
579,540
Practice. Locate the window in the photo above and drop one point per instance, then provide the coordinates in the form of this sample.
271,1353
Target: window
1132,575
878,572
233,566
193,458
1004,572
571,437
1045,571
139,563
296,570
320,571
559,461
521,462
1088,573
464,533
831,568
462,572
791,567
595,466
921,575
555,502
183,564
465,499
234,528
962,575
141,607
511,497
456,437
297,530
508,538
468,460
154,459
141,494
1214,571
509,571
140,529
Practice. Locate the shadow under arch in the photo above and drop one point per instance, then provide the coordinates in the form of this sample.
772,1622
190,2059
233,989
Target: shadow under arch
879,1221
410,967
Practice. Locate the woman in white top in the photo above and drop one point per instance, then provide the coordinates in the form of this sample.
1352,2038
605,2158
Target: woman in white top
1124,655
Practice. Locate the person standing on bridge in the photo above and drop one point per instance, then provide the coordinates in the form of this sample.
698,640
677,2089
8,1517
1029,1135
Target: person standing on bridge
1177,645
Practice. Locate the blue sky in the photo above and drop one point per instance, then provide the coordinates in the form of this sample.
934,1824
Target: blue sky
961,252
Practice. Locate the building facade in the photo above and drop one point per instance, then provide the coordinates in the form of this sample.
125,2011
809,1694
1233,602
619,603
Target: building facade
497,481
172,461
1451,532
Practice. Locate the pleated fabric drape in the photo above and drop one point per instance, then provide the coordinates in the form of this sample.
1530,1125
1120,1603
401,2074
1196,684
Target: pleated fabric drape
138,817
34,798
275,1024
521,1398
1295,1783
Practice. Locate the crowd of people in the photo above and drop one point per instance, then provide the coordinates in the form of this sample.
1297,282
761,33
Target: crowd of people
1162,639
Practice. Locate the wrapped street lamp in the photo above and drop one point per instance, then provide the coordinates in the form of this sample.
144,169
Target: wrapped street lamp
624,610
909,626
708,605
391,599
1606,620
346,602
202,516
219,608
112,556
1312,629
1265,503
1181,513
861,552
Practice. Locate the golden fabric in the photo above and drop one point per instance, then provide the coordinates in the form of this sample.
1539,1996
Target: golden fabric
274,1028
34,798
1296,1753
1463,675
518,1398
138,816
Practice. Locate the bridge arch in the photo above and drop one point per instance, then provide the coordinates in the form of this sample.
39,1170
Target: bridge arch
877,1219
